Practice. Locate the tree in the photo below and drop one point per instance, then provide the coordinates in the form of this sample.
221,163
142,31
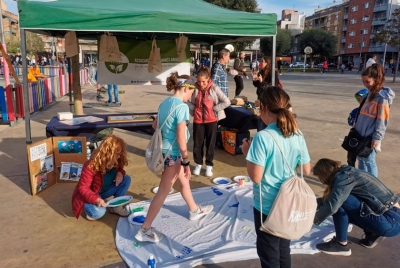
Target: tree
283,43
322,42
241,5
34,43
391,35
13,44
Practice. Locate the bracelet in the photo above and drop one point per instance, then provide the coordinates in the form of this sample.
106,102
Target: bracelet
185,164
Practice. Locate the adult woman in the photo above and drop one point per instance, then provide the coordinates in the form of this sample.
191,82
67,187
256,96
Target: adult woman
264,75
357,197
207,107
102,176
268,170
374,114
175,134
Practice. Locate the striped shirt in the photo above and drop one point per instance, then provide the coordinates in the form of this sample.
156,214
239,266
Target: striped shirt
220,77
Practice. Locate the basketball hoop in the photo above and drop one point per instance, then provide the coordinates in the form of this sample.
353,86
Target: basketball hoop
308,50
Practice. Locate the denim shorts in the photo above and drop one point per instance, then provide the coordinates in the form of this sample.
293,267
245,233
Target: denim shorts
171,160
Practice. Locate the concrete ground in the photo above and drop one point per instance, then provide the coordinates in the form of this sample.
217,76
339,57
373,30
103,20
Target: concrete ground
41,231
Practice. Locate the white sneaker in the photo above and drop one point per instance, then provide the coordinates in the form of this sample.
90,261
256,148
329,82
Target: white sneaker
149,236
209,171
201,212
197,169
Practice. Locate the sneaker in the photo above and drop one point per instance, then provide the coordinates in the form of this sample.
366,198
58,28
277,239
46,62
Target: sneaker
99,96
89,218
197,169
371,240
148,236
201,212
117,103
119,211
209,171
333,247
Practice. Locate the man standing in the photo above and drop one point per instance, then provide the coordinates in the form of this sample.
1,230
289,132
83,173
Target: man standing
218,73
239,66
280,66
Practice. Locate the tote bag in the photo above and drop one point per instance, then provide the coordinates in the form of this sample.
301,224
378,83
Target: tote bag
153,156
181,42
71,44
292,213
109,49
154,64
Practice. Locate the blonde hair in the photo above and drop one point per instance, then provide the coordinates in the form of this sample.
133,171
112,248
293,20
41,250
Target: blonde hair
103,158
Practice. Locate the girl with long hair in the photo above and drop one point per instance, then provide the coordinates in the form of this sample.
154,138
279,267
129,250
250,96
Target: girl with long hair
175,135
268,170
358,197
374,114
264,75
103,176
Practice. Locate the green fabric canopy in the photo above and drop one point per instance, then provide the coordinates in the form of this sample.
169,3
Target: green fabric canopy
143,19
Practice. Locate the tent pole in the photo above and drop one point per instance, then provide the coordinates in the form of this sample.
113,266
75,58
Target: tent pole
273,60
211,56
25,88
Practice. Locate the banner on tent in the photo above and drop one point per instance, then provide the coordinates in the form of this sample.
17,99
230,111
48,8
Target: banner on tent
133,68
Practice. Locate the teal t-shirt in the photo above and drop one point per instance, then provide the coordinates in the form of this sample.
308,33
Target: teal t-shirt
108,179
168,131
264,152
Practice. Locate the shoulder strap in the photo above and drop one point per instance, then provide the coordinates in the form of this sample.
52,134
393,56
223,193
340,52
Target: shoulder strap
359,108
168,115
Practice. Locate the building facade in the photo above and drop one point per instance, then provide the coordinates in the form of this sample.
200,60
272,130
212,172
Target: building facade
292,20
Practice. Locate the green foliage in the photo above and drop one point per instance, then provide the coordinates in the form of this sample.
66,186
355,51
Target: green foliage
13,44
241,5
390,33
322,42
283,43
34,43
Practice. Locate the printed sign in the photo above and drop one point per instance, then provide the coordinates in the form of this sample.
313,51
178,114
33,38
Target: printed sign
133,68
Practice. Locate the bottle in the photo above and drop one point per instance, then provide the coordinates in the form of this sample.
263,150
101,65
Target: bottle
151,262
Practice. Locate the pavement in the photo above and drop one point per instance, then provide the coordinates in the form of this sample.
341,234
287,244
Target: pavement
41,231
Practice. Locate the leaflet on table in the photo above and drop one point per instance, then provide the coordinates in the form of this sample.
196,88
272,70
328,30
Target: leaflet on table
81,120
70,171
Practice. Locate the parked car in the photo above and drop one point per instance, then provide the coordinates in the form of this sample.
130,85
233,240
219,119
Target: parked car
300,64
332,64
319,65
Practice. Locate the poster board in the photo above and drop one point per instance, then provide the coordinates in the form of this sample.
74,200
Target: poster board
45,156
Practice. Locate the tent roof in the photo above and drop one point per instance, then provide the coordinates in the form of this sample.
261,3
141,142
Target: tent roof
200,21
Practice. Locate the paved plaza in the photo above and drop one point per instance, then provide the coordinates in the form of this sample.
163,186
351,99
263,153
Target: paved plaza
41,231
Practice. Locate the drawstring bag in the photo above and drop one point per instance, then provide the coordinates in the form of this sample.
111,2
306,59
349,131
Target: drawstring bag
153,156
109,49
292,214
71,44
154,64
181,42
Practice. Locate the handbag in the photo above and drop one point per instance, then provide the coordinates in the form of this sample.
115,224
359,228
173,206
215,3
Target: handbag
154,63
292,213
181,43
153,156
71,44
356,144
233,72
109,49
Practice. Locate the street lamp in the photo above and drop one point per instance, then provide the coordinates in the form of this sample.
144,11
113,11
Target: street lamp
362,36
384,52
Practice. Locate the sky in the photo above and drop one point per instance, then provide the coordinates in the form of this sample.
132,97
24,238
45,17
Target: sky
11,6
306,6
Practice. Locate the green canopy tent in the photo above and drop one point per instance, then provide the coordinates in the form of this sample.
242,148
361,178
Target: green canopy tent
200,21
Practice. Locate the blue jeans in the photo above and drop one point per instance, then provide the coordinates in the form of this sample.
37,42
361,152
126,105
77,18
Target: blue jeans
96,212
387,224
368,163
110,87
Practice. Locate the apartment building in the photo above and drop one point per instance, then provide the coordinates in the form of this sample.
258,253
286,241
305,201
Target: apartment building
292,20
10,22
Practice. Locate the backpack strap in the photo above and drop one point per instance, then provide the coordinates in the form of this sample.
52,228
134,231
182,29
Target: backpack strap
158,122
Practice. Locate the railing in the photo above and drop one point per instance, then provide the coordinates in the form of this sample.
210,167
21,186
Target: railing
343,40
344,28
380,7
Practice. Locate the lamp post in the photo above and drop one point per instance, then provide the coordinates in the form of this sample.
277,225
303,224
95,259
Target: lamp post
362,37
384,52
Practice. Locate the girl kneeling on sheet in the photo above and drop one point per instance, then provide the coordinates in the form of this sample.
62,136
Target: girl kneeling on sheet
268,170
102,176
175,136
207,106
357,197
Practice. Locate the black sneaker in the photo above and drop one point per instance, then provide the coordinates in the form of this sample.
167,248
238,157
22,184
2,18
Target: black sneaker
333,247
371,240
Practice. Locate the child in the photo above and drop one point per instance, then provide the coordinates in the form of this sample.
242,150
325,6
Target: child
351,158
207,105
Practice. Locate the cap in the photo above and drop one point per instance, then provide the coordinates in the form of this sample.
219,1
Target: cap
186,83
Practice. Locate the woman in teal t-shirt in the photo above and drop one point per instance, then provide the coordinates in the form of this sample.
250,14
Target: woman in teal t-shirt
175,113
268,170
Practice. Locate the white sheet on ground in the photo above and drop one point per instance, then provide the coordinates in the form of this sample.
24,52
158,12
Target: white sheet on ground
226,234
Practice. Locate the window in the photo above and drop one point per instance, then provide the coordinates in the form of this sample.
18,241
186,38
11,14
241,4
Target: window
335,28
329,19
367,5
364,31
365,18
361,44
350,46
352,33
354,9
353,21
336,17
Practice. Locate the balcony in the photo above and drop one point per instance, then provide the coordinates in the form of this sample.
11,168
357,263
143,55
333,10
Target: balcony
344,28
379,21
380,7
346,16
377,48
342,51
343,40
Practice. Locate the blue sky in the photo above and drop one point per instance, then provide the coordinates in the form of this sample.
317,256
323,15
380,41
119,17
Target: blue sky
307,6
267,6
